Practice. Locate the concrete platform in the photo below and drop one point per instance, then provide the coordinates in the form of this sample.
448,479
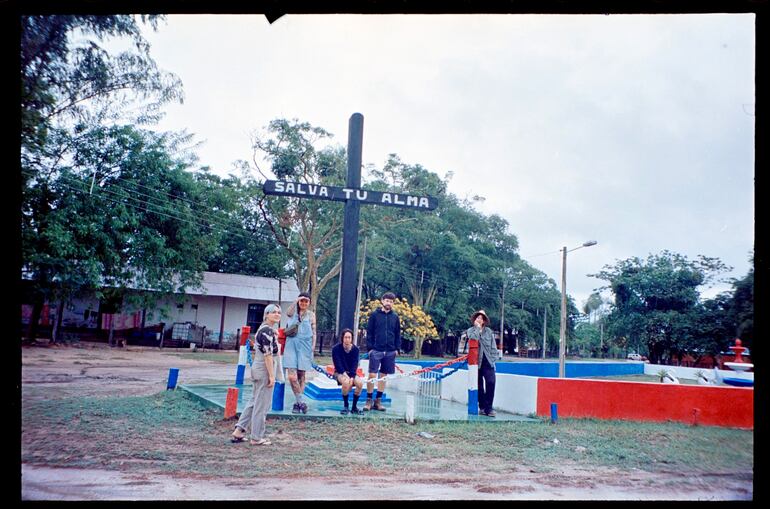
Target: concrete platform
426,408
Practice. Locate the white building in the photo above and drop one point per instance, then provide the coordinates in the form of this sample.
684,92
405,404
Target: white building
224,304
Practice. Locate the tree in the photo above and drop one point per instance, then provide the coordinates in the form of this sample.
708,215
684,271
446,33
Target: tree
248,246
741,308
74,92
416,325
592,305
446,261
309,230
138,228
656,300
67,76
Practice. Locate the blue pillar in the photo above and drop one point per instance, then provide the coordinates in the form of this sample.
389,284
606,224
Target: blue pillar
473,390
554,413
278,392
173,374
239,374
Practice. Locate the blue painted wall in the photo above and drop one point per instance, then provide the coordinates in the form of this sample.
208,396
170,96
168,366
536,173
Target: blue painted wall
551,369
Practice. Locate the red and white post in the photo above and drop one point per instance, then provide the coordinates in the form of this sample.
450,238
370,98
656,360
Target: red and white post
242,355
473,377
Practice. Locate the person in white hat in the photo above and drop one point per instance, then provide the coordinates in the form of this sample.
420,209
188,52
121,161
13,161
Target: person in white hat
488,352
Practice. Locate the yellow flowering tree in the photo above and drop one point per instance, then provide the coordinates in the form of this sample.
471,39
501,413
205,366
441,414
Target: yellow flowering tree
416,324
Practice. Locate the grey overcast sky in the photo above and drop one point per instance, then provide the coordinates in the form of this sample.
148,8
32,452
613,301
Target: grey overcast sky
633,130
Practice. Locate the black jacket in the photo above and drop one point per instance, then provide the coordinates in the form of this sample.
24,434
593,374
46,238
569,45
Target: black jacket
384,331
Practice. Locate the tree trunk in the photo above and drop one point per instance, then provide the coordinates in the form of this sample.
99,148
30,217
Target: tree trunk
37,310
56,330
141,328
112,329
418,347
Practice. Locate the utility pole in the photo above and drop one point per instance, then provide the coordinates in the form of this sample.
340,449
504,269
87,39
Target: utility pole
545,312
601,340
358,301
563,322
502,322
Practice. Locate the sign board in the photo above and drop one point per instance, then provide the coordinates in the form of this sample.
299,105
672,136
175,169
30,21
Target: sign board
323,192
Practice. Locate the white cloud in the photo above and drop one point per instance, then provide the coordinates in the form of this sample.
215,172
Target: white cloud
633,130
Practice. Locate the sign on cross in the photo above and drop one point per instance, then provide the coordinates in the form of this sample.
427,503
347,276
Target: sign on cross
321,192
352,195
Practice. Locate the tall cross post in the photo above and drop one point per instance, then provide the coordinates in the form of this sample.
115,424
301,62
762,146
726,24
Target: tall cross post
347,301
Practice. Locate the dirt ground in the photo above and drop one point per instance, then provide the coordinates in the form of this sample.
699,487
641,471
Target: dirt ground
96,370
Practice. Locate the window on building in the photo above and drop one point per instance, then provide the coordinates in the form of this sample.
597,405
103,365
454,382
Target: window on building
254,315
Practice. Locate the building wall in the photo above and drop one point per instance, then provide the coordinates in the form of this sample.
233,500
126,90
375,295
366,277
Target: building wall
209,313
83,313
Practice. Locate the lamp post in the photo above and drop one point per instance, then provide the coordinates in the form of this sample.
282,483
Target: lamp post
563,324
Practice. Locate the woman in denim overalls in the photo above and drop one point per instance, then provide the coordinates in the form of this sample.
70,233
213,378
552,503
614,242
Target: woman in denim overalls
298,351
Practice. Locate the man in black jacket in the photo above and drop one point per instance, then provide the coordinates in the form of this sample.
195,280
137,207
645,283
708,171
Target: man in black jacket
383,334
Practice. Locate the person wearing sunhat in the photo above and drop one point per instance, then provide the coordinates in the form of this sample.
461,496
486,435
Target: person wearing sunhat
487,354
298,352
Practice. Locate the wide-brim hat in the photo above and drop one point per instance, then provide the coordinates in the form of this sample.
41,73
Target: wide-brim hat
482,313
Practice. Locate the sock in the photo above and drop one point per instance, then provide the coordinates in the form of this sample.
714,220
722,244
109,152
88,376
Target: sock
379,394
298,398
355,399
345,400
368,395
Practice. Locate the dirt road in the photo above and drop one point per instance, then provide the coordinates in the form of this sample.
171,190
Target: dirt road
94,370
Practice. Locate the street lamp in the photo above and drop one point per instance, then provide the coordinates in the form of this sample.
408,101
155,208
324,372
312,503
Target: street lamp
563,324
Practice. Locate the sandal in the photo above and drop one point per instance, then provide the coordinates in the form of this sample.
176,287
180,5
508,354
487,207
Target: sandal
261,441
234,438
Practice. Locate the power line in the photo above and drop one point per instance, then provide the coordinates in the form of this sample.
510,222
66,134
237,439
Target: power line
408,272
155,208
159,206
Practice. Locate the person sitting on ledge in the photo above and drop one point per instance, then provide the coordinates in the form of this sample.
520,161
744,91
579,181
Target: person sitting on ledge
345,359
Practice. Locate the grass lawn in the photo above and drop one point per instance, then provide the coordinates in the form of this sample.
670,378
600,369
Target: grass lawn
171,432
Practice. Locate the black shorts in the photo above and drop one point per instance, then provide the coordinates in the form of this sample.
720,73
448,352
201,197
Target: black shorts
382,362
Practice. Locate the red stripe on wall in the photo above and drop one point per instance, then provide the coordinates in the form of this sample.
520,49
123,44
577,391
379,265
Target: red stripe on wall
639,401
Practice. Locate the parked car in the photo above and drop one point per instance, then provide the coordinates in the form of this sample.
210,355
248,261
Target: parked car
634,357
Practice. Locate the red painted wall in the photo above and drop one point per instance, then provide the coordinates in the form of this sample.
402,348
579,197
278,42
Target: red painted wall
643,401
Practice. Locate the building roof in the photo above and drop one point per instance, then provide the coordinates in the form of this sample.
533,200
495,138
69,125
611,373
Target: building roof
246,287
238,286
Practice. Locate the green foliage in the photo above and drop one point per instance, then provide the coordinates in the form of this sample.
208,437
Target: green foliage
84,229
67,76
105,204
247,244
309,231
452,261
741,307
657,307
449,262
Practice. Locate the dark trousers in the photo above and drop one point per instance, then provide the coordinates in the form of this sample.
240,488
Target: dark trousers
486,384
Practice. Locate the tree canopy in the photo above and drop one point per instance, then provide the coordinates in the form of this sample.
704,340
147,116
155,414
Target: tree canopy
657,305
105,204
